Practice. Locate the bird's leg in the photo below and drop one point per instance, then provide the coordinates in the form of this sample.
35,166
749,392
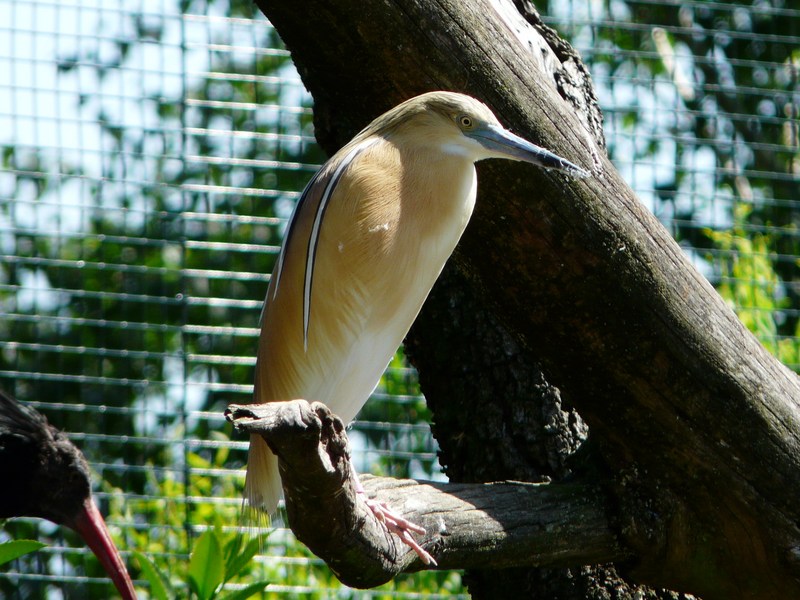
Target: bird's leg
395,523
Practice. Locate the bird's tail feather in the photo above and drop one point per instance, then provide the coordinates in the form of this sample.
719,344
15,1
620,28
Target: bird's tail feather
262,485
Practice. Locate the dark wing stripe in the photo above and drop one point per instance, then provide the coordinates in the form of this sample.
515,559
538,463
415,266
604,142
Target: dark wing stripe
289,233
313,239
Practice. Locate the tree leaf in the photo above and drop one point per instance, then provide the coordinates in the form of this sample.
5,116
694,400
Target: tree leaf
206,565
232,548
160,588
246,592
238,561
16,548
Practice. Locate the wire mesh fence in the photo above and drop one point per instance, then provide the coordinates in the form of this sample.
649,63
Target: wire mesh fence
152,153
700,105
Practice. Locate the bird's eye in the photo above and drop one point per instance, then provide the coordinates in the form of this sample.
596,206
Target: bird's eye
465,121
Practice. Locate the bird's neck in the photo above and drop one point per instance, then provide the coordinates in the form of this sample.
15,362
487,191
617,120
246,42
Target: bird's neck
437,195
440,188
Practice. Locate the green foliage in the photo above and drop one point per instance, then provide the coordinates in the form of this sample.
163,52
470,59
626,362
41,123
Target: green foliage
160,588
64,548
217,558
223,562
221,555
16,548
751,285
206,568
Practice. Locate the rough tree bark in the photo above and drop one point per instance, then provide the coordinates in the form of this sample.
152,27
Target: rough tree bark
495,526
695,425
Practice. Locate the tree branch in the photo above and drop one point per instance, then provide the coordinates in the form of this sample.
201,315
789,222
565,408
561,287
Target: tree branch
494,525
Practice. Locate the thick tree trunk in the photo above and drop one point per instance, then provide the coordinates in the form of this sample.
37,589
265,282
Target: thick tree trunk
697,425
523,433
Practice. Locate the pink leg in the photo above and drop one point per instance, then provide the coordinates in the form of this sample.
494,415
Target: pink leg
396,523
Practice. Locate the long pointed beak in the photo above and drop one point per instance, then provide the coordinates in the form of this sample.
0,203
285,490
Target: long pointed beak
92,528
504,144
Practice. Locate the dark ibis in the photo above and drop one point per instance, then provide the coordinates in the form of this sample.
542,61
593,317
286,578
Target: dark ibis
44,475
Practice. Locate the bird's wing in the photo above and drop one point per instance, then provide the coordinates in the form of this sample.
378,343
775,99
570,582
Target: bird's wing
314,201
287,366
311,255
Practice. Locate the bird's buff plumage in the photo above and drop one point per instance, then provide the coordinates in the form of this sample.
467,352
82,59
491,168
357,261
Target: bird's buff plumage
369,237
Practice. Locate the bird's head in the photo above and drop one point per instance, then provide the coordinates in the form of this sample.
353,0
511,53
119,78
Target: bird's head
48,477
51,474
460,125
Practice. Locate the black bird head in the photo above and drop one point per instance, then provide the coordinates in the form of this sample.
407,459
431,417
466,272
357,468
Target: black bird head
46,476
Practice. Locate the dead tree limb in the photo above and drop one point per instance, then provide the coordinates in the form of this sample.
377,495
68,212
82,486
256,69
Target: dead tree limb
495,525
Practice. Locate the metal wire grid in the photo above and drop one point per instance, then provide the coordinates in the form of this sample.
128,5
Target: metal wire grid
145,185
135,242
701,118
628,83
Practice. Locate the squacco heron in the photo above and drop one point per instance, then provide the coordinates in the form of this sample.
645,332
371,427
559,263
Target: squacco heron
368,239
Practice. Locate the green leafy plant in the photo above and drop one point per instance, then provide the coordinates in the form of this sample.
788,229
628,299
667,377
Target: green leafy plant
750,283
216,559
16,548
220,565
223,563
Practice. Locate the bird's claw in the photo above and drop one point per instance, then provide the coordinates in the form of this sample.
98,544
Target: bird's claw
401,527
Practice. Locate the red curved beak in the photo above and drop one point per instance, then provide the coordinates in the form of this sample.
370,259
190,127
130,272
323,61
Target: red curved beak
92,528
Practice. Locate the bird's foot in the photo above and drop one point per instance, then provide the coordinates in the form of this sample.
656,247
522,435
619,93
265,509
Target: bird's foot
400,526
